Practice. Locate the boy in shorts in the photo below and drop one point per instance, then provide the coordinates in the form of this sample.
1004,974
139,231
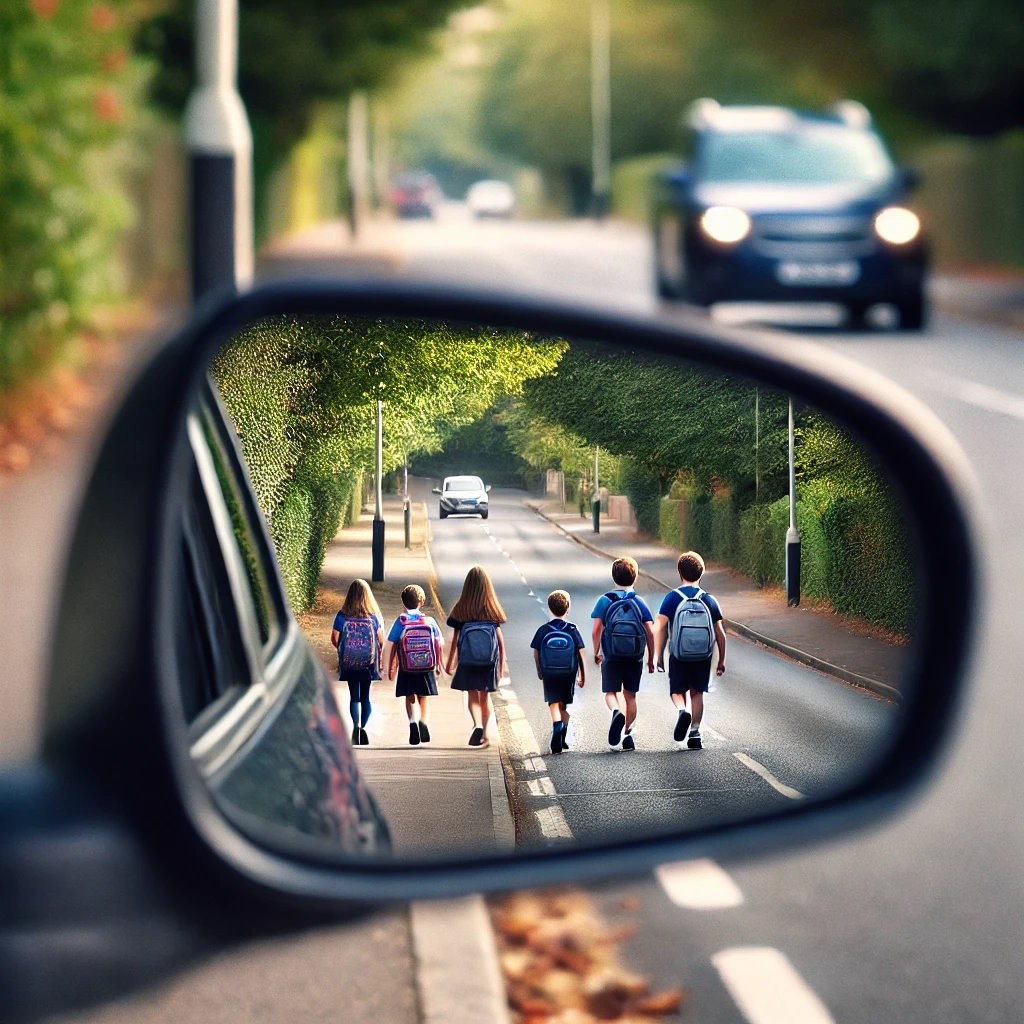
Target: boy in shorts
620,675
558,682
689,678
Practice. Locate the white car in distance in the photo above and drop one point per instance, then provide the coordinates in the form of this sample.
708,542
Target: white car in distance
463,495
491,198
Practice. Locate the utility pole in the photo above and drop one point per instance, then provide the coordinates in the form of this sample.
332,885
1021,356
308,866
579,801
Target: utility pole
792,534
358,160
219,144
595,504
378,503
600,107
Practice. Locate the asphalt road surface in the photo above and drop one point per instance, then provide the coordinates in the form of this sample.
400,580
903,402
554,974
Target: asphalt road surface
774,730
919,919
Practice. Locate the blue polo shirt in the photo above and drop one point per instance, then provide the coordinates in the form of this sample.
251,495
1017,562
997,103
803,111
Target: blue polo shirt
604,601
673,599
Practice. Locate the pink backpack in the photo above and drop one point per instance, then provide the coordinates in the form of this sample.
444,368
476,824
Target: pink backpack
416,651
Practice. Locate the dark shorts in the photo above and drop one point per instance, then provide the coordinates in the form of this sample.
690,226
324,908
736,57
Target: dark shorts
621,675
415,684
688,675
468,678
559,691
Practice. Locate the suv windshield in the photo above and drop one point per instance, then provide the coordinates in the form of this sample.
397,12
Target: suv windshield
464,483
821,155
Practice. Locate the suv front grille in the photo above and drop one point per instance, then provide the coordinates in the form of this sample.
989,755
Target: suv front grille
813,238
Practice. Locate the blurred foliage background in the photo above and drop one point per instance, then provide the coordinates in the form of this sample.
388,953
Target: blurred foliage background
92,169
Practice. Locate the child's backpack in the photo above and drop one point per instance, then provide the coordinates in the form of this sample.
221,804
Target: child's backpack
416,652
693,632
478,645
557,653
624,637
357,644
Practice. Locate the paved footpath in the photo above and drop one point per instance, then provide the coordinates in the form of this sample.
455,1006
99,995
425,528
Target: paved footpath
471,808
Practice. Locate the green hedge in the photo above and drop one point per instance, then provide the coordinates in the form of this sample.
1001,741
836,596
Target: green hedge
71,124
972,193
853,550
643,486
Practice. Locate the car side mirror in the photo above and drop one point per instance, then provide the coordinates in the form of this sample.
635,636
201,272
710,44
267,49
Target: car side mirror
488,488
199,519
435,490
911,177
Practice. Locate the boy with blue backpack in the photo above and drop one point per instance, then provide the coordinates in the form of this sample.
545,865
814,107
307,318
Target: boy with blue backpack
690,622
556,651
622,632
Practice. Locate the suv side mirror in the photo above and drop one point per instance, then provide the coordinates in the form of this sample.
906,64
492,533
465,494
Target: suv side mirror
910,177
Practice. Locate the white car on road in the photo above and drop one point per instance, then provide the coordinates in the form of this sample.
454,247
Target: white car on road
465,495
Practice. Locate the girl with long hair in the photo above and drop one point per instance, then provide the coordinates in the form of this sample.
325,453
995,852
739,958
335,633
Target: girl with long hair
478,648
358,636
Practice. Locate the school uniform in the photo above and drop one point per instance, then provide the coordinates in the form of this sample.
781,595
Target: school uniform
688,675
474,677
558,689
621,675
414,684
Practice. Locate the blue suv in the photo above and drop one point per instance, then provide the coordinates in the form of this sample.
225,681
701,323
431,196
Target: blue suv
776,205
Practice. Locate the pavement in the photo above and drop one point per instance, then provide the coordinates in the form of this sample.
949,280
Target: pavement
471,808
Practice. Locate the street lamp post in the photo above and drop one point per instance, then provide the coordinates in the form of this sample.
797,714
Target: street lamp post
378,505
792,534
219,144
595,504
600,107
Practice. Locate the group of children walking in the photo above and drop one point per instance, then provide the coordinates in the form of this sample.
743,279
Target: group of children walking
624,634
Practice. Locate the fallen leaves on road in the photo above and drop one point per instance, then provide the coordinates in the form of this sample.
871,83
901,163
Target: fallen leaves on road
561,966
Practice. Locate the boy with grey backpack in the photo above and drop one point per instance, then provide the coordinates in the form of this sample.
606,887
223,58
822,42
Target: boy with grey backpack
689,622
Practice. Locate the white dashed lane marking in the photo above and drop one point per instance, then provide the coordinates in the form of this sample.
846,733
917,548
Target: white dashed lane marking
767,988
698,885
759,769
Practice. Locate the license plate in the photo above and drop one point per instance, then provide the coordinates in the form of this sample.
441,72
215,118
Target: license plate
824,273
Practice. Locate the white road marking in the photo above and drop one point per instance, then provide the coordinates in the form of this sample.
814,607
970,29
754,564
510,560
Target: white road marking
712,734
553,824
541,787
982,396
767,988
759,769
698,885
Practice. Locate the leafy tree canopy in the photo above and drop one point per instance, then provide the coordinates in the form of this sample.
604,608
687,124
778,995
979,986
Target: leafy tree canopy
294,54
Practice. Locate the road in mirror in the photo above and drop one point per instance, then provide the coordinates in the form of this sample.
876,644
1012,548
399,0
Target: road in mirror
535,484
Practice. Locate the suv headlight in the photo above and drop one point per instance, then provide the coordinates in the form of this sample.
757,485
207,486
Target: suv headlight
897,225
725,224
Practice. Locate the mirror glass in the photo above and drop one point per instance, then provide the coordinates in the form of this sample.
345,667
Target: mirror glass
524,481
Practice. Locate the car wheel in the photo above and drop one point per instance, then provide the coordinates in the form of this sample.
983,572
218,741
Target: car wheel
668,267
483,515
912,310
442,513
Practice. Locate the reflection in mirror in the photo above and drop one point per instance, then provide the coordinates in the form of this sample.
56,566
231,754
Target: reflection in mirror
524,480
